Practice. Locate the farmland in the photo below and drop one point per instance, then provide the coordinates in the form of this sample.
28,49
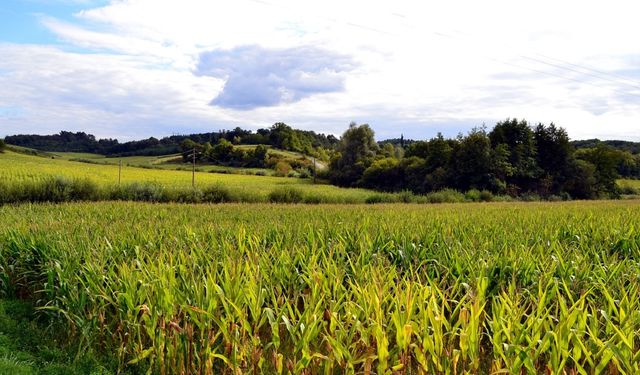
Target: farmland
18,168
237,288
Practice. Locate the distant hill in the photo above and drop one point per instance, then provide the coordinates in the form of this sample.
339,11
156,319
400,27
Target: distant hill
632,147
279,136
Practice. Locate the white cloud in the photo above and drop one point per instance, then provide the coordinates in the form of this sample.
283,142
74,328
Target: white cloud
418,67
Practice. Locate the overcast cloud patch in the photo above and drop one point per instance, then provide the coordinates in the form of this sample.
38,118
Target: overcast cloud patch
260,77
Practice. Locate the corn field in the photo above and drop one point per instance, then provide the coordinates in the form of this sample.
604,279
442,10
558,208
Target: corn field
18,168
389,289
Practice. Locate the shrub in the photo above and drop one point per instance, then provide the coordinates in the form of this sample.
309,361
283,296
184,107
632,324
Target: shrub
445,196
313,199
216,194
380,198
407,196
147,192
282,168
286,194
184,196
304,173
486,196
473,195
530,197
52,189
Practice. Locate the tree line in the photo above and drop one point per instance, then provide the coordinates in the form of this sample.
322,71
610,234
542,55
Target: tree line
279,135
513,158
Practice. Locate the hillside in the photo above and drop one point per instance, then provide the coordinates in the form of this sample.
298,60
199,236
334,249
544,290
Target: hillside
19,167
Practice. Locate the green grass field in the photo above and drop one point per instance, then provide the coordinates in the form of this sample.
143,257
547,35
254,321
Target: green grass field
454,288
17,167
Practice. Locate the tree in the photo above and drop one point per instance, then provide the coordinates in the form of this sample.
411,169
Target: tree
3,146
605,160
518,138
471,162
581,183
188,147
222,151
554,154
384,174
258,156
284,137
355,153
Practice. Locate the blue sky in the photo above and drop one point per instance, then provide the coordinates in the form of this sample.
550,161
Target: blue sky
130,69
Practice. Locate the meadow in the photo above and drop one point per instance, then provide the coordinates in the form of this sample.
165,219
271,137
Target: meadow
261,288
16,168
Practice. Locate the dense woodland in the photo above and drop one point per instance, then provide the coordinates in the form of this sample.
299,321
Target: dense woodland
513,158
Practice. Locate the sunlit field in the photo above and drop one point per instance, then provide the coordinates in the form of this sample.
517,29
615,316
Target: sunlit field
453,288
17,167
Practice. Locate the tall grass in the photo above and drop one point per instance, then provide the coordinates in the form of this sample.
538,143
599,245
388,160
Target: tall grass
447,289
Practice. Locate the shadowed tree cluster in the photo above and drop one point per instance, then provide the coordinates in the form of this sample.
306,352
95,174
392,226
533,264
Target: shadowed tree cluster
513,158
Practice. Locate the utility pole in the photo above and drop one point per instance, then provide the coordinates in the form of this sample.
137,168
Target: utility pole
193,170
119,172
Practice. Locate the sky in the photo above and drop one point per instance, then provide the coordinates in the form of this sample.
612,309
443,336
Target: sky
130,69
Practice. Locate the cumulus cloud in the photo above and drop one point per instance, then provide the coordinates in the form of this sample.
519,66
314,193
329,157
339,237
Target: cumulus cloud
137,68
261,77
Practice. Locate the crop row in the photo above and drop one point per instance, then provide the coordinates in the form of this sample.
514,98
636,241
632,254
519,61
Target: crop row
270,289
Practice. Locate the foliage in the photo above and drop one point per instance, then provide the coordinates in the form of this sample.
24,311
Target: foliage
541,288
286,194
279,135
29,347
3,146
355,153
19,170
512,159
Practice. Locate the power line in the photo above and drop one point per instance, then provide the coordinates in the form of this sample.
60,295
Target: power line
594,70
578,71
594,73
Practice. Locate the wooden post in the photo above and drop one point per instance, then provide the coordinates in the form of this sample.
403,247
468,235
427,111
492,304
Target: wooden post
193,171
119,172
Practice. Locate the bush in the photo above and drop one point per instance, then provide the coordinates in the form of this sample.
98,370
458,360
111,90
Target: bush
52,189
282,168
184,196
3,146
146,192
473,195
59,189
486,196
216,194
313,199
379,198
286,194
530,197
445,196
407,196
304,173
